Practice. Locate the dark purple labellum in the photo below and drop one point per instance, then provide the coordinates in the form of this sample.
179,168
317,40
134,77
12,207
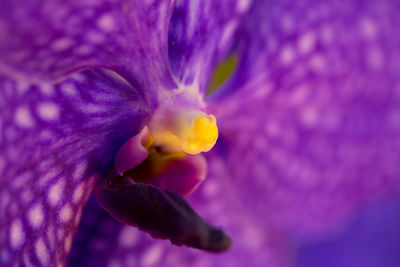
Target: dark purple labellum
162,213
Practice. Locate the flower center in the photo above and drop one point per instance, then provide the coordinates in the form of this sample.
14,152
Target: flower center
165,153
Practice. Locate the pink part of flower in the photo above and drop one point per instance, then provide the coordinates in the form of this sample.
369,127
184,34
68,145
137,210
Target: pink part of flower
182,176
132,153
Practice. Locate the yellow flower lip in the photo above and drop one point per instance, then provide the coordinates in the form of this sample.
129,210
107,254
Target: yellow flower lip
190,131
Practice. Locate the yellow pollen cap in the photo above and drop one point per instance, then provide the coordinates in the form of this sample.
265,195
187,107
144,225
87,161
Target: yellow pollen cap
201,136
184,130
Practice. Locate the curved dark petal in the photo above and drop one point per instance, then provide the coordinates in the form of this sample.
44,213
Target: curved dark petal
162,213
318,119
103,241
46,40
372,240
200,35
55,142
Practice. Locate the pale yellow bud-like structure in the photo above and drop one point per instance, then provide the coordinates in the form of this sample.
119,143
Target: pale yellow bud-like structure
190,131
201,135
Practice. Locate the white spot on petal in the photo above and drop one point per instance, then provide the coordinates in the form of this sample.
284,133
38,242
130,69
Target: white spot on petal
56,192
41,252
306,43
17,235
46,89
106,22
78,193
253,237
287,55
68,89
23,117
35,215
95,37
227,33
80,170
66,213
210,189
309,116
62,44
152,256
243,5
368,28
128,237
47,176
48,111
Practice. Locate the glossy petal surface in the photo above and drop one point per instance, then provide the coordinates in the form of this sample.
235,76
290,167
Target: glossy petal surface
200,35
55,142
46,40
316,113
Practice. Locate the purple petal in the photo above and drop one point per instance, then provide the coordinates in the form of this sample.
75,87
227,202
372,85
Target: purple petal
312,131
56,140
200,35
46,40
372,240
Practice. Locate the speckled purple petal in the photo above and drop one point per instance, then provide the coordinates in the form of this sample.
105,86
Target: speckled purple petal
46,40
55,142
200,35
313,130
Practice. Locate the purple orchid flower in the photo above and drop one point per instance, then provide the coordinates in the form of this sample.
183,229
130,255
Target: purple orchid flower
308,124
